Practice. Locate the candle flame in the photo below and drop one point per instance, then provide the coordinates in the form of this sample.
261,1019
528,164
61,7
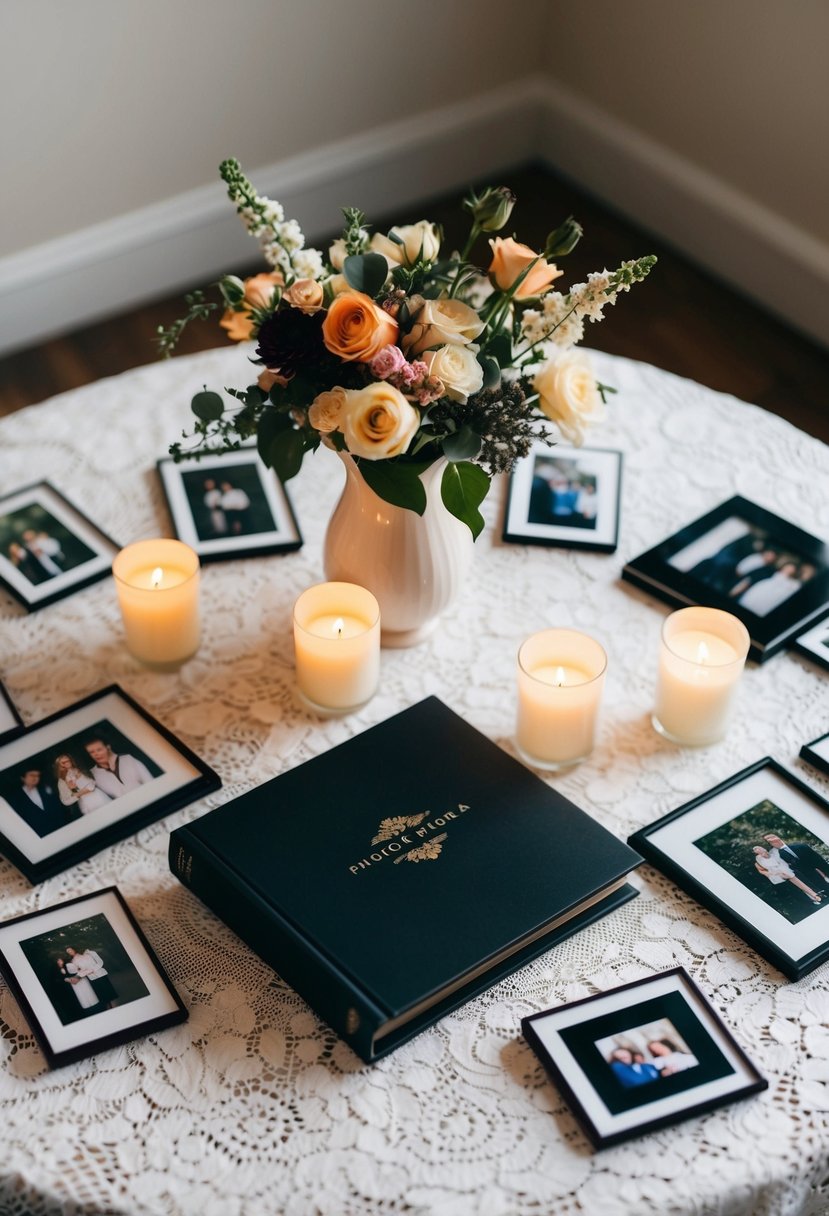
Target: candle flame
703,654
157,577
560,678
338,626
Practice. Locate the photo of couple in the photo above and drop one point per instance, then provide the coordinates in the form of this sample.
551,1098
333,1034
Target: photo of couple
227,502
83,968
775,857
745,563
646,1054
39,546
81,775
562,493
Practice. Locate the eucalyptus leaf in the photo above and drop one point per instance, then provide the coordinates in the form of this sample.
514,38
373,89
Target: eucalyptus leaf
398,484
464,445
366,272
285,454
491,370
207,406
500,347
463,488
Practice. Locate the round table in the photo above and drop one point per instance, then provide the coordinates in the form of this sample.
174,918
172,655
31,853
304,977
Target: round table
254,1105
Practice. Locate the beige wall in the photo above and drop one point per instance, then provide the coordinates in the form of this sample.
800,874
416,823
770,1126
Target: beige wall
121,104
739,87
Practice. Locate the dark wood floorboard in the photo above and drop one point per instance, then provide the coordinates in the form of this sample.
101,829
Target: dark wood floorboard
681,319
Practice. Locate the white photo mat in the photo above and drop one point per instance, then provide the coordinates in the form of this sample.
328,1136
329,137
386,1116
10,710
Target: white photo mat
603,464
158,1003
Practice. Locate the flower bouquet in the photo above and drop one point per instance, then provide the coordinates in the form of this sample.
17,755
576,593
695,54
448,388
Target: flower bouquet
402,353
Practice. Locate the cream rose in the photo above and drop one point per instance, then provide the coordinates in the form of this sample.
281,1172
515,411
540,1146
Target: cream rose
458,368
355,328
441,321
326,411
378,421
510,259
305,294
414,242
568,394
337,253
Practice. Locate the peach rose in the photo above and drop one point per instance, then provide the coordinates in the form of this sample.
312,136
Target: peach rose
258,294
509,259
568,394
267,379
378,421
355,329
326,410
304,294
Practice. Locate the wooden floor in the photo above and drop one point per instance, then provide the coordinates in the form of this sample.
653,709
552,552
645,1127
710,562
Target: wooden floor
681,319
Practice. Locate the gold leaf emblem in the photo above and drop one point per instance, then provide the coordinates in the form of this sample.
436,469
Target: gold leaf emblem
425,852
389,828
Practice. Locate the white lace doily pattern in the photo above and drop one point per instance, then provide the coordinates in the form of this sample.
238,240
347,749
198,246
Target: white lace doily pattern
253,1106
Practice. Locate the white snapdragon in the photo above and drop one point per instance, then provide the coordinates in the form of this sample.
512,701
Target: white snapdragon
555,321
308,264
289,235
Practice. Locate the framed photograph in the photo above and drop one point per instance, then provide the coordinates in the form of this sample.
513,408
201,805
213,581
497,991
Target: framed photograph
48,548
11,723
229,505
755,850
88,776
565,496
85,977
640,1057
744,559
814,643
817,752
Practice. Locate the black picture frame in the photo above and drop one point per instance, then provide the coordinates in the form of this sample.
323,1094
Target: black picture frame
529,512
707,847
141,985
573,1043
11,723
816,753
162,775
86,550
743,528
813,643
266,525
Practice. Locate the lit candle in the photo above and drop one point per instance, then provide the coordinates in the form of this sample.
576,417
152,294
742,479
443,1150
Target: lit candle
158,593
337,641
700,662
560,681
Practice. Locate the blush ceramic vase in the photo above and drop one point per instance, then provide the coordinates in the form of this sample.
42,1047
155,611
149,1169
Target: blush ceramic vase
414,564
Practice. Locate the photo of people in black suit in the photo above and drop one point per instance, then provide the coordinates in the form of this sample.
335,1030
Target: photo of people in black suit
563,494
747,564
38,545
773,855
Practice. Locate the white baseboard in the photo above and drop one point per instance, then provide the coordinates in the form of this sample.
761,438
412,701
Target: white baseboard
191,238
760,253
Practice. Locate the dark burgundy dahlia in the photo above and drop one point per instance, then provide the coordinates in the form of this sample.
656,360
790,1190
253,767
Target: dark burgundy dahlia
290,341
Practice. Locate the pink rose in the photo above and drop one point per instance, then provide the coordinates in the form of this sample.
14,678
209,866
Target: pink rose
387,362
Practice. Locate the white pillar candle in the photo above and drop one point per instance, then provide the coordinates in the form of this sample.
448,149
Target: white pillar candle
560,680
158,593
701,659
337,641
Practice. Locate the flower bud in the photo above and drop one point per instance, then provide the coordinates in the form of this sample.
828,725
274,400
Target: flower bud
492,210
563,239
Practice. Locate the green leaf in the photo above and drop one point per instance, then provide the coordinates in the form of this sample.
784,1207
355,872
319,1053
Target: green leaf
285,454
398,484
465,445
500,347
207,406
491,370
271,424
366,272
463,488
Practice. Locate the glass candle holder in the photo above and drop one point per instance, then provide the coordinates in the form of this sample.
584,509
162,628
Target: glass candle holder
701,659
560,682
157,582
337,642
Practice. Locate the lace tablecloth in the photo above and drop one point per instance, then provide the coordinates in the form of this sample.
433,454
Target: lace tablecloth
253,1105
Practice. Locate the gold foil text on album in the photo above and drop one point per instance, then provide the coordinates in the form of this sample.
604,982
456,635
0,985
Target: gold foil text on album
396,836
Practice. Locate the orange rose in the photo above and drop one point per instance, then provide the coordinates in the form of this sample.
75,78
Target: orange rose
258,294
509,259
356,329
